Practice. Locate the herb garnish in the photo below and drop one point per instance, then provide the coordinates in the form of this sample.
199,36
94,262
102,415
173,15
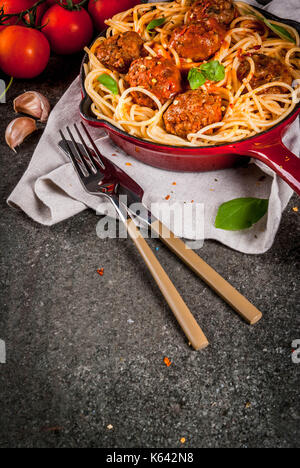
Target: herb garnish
155,23
109,83
241,213
279,30
212,71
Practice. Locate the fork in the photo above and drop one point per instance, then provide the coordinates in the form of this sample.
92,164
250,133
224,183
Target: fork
98,179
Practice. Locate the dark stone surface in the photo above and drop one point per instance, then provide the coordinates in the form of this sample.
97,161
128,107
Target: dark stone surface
75,364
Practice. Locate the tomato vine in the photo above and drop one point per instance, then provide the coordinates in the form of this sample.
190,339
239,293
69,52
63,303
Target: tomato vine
28,17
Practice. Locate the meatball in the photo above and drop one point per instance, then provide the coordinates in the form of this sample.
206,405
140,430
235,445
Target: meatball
198,41
118,52
156,74
223,11
267,70
192,111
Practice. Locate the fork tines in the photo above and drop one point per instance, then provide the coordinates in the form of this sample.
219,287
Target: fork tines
84,160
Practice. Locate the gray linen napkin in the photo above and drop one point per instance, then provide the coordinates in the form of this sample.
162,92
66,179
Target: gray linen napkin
49,191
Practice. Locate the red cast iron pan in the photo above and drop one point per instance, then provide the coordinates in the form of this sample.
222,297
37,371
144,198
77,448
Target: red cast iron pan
267,147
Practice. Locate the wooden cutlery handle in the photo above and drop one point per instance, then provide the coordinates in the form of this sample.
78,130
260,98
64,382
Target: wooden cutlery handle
236,300
183,315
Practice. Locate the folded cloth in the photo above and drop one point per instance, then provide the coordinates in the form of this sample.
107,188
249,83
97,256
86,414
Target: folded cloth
50,192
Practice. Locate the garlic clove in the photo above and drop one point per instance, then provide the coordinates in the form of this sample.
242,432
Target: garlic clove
18,130
34,104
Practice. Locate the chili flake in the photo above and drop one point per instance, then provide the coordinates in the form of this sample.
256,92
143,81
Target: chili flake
128,164
174,183
168,197
296,209
182,440
100,271
167,361
52,429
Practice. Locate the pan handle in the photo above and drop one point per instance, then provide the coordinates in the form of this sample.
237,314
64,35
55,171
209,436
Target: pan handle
279,158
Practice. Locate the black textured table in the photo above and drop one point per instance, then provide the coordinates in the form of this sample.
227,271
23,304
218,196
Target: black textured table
85,353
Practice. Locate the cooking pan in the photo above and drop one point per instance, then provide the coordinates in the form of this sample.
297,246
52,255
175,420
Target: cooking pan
267,147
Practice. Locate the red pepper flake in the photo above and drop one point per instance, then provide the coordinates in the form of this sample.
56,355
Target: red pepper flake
167,361
174,183
240,54
168,197
100,271
287,158
183,440
52,429
128,164
192,201
296,209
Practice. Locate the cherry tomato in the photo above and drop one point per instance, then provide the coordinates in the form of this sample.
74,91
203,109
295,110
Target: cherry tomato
24,52
100,10
67,31
10,7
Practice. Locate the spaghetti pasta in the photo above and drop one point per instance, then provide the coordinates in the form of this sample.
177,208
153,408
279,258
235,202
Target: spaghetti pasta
246,110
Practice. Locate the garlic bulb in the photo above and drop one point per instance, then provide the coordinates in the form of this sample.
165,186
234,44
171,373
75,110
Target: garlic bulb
34,104
18,130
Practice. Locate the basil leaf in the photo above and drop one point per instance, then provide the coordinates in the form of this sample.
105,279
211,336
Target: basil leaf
155,23
241,213
280,31
196,78
213,70
109,83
